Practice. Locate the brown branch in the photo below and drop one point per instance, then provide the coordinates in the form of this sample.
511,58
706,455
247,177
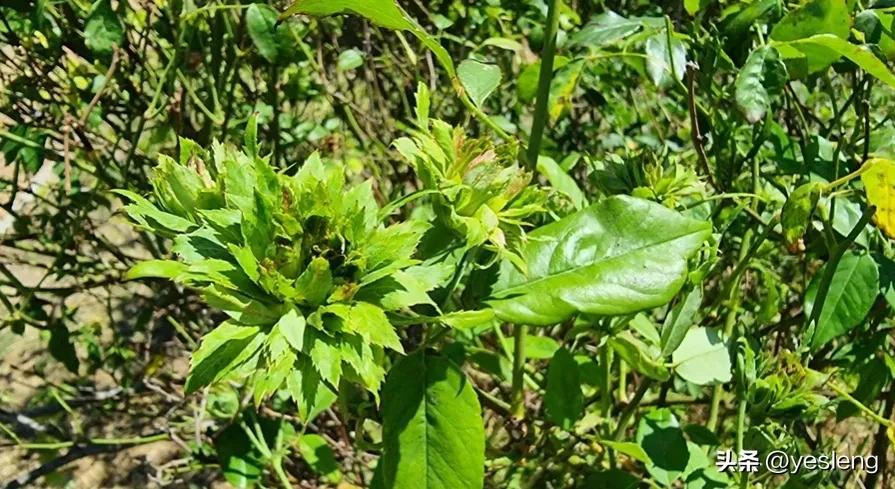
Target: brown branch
696,134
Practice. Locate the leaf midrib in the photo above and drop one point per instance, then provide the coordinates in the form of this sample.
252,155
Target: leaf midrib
508,291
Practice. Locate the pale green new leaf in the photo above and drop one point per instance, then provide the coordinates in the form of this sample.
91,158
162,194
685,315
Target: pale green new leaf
432,430
618,256
156,269
703,357
479,79
371,323
292,326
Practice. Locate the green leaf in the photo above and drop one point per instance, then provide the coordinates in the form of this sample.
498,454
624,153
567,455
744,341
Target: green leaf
563,399
222,350
371,323
315,283
887,279
561,181
618,256
536,347
879,183
665,65
103,31
261,23
350,59
815,50
62,349
479,79
432,431
607,28
853,290
761,78
628,448
814,17
663,441
327,359
797,211
386,13
241,462
467,319
156,269
679,320
150,217
317,454
702,358
639,356
694,6
292,325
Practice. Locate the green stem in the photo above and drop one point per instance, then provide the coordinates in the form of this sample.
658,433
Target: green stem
629,410
517,397
545,79
858,404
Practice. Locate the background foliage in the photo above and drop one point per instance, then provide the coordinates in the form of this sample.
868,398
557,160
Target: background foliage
316,250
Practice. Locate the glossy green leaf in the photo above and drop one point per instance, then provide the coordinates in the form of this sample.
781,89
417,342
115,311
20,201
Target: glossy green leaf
814,17
814,49
432,431
679,320
386,13
853,290
479,79
703,357
563,399
759,81
618,256
261,23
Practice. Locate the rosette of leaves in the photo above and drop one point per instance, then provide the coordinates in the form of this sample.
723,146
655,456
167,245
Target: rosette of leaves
483,195
302,265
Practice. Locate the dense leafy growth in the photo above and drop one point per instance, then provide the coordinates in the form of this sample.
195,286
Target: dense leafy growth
446,244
